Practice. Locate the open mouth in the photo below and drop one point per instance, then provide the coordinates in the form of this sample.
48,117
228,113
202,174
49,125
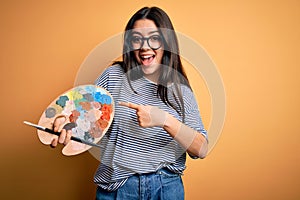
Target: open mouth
147,59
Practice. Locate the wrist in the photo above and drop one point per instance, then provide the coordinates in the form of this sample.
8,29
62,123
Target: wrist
171,125
167,123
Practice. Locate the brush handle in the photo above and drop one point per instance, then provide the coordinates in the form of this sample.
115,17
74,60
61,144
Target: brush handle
72,138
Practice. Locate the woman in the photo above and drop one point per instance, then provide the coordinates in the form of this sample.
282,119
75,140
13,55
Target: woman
156,116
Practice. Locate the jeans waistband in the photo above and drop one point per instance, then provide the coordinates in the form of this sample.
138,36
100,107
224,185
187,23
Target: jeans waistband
162,171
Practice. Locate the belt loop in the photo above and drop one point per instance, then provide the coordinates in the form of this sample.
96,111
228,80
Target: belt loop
159,172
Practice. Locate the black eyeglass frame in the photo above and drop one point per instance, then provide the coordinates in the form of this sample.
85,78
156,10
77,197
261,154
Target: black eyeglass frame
143,41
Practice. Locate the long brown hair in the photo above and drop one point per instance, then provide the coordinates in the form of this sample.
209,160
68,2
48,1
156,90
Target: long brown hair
173,72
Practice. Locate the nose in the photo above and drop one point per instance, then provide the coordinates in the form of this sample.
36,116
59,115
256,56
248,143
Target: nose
145,45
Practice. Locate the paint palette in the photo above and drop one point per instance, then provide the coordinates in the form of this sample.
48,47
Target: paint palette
87,110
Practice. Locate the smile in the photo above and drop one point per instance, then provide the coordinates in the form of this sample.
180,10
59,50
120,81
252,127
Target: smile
144,57
147,59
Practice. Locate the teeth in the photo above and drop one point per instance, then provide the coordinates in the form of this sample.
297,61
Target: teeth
146,56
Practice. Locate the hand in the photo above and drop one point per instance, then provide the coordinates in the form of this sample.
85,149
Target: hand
65,135
148,116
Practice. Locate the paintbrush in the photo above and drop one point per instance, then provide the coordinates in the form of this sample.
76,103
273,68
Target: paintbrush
58,134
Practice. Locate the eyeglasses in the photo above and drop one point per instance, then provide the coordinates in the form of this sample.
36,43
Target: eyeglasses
154,42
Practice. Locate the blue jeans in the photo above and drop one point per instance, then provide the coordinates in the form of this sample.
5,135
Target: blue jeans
161,185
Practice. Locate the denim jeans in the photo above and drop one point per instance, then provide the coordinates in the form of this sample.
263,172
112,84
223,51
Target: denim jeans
161,185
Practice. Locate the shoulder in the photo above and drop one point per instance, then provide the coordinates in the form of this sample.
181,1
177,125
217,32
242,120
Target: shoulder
181,91
186,90
189,98
114,70
111,73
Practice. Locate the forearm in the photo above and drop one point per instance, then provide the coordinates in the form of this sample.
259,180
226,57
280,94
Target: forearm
150,116
194,142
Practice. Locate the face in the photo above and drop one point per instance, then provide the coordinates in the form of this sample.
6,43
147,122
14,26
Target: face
148,56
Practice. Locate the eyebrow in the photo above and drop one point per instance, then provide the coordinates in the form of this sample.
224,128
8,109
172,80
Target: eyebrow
151,32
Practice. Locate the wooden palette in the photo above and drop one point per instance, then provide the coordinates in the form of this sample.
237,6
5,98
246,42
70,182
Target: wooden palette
87,110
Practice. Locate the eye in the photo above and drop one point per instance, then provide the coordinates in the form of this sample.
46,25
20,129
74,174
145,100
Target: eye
136,39
155,38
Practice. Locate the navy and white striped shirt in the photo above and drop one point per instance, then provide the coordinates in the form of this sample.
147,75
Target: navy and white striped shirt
127,148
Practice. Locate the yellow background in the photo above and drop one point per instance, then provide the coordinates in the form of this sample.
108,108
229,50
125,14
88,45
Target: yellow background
255,45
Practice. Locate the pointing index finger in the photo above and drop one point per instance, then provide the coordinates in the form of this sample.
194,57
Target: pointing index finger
129,105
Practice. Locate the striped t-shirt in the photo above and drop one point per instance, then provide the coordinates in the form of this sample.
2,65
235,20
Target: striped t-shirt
127,148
